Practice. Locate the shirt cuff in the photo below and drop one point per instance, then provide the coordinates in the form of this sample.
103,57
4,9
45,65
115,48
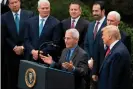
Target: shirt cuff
73,69
53,64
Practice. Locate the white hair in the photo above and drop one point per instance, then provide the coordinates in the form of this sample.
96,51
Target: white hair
117,15
44,1
75,33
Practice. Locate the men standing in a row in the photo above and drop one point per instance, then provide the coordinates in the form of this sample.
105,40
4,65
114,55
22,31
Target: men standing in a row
93,35
76,21
13,22
73,58
42,29
114,72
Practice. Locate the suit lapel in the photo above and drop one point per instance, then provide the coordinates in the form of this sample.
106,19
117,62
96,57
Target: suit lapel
69,23
22,16
46,26
103,25
11,19
92,34
107,57
78,25
36,24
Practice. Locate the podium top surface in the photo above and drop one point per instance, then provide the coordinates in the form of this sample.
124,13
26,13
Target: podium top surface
43,66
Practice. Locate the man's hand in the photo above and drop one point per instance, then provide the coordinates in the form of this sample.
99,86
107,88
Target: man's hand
34,54
19,50
95,77
68,65
90,63
46,59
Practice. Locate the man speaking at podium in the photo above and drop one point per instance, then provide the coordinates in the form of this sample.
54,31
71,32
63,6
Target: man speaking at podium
73,58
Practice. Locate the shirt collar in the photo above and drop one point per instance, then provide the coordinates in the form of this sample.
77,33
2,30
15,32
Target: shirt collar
45,18
73,47
101,21
112,45
76,20
17,12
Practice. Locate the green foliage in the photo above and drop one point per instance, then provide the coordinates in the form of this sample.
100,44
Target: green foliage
125,27
60,8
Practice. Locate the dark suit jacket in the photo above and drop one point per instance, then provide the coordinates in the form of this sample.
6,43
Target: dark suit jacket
8,24
79,59
11,39
126,39
101,52
91,44
115,70
81,26
50,32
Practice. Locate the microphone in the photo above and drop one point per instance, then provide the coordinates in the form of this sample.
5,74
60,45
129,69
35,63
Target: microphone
49,43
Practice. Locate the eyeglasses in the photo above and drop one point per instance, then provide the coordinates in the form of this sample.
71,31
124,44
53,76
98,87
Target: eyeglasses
67,38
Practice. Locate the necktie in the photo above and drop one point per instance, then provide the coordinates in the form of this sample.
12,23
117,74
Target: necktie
41,26
17,22
95,29
68,55
72,25
107,52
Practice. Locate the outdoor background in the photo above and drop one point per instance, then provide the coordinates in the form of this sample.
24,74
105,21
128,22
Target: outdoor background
59,9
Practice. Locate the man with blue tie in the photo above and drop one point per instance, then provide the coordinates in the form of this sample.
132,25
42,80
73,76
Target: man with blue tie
73,58
42,29
13,24
114,72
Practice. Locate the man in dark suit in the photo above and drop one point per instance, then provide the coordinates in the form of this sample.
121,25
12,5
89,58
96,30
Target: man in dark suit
76,21
73,58
114,72
93,36
42,29
113,18
13,24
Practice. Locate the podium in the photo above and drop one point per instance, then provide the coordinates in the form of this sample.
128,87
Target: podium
37,76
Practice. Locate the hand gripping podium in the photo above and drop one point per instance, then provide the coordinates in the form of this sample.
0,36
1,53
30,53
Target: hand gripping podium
37,76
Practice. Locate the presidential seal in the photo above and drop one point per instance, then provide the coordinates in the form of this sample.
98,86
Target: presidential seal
30,77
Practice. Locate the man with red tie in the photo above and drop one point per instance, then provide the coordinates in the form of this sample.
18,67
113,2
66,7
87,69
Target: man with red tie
114,72
92,38
75,21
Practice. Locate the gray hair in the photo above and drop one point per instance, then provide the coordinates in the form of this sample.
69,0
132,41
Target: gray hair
44,1
112,31
75,33
117,15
